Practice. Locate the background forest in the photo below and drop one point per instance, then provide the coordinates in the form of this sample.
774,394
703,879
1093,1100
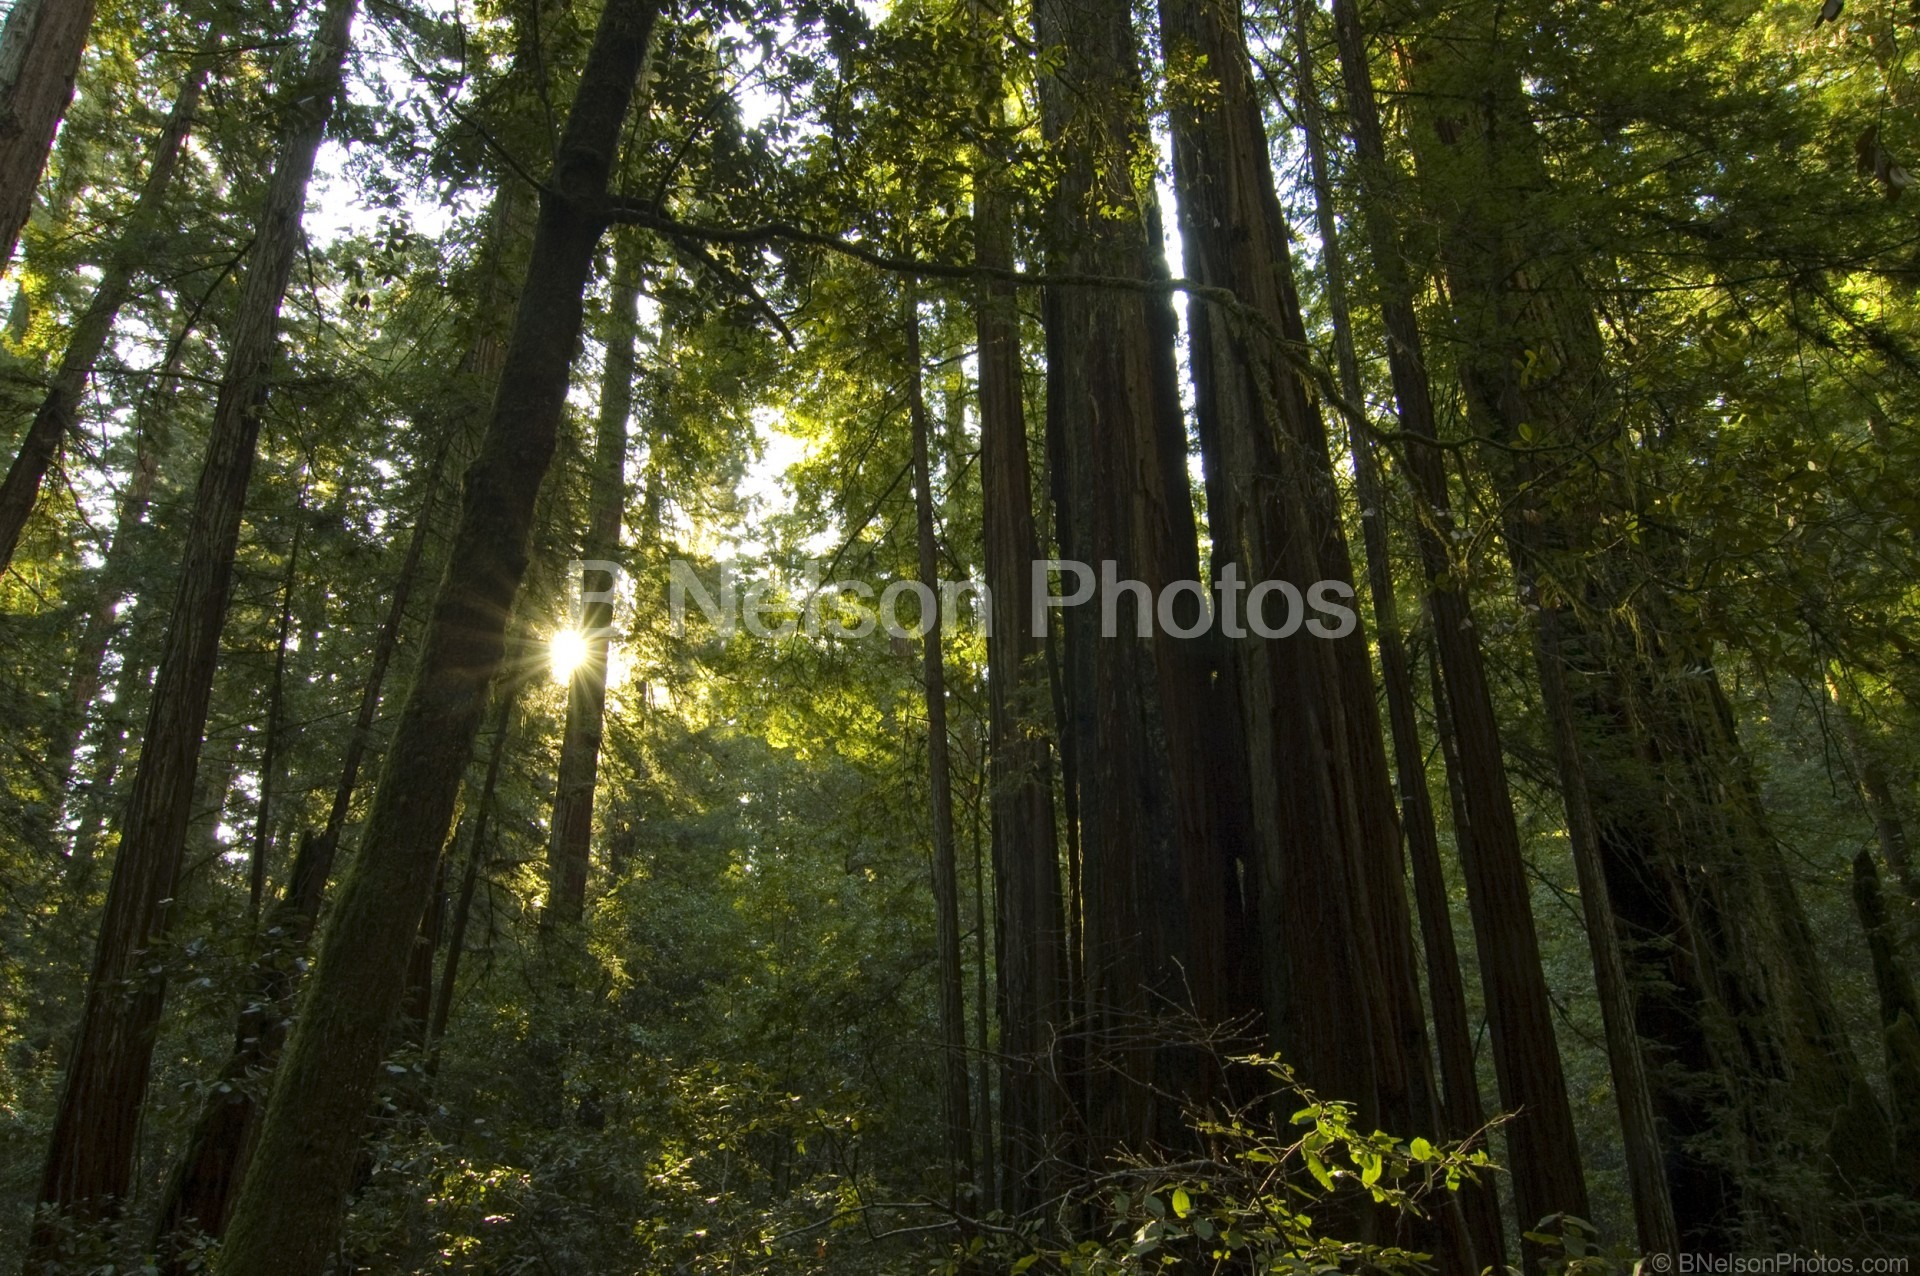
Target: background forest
386,885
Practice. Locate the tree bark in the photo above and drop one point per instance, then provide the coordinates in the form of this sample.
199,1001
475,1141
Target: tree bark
571,832
1348,1016
55,416
271,744
324,1086
199,1195
1749,1057
946,882
90,1155
1547,1177
1028,923
1159,828
470,878
40,50
102,621
1465,1114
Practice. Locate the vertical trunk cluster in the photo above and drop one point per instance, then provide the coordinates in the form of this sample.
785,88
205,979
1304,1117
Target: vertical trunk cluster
90,1155
1031,949
1461,1107
1324,832
1546,1162
40,49
946,882
1748,1056
324,1086
1157,824
571,835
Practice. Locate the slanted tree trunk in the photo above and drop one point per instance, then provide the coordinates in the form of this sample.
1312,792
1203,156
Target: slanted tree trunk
102,621
470,876
40,50
90,1155
1731,995
55,416
324,1086
1028,925
200,1190
1465,1114
571,833
1547,1177
946,881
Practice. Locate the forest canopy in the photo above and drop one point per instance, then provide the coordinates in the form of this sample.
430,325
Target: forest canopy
932,636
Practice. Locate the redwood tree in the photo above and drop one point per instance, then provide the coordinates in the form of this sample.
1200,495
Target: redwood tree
324,1086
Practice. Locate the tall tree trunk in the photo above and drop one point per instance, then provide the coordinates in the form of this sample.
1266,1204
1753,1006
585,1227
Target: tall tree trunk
1465,1114
271,745
1348,1015
986,1163
470,876
1157,829
90,1155
1030,941
1899,1020
324,1086
571,834
1547,1177
1750,1057
946,882
200,1190
102,621
40,50
55,417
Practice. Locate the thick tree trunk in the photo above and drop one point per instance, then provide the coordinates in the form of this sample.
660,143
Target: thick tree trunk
1348,1015
1031,944
55,417
571,833
946,881
324,1086
40,50
1465,1114
91,1151
1157,828
200,1190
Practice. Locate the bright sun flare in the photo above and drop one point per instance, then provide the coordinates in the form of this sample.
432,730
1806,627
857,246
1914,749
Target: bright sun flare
569,652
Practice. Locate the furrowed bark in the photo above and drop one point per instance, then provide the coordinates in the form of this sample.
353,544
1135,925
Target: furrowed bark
90,1156
1547,1178
1028,922
324,1086
40,50
1158,830
1347,1015
1465,1114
